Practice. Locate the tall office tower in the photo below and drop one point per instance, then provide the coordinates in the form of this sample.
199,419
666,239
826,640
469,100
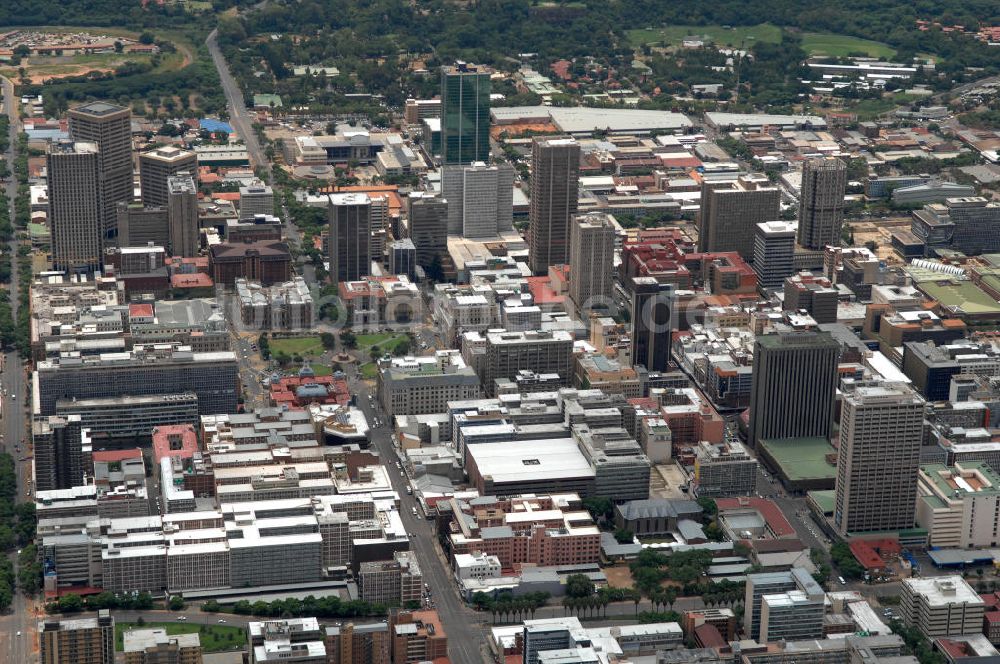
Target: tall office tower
379,220
465,114
350,236
182,216
158,165
59,457
881,429
592,258
794,381
402,257
555,175
79,641
480,199
428,227
730,212
774,253
110,127
653,323
255,199
138,226
821,205
74,206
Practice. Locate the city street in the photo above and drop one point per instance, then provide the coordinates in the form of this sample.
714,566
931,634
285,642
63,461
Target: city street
17,631
463,626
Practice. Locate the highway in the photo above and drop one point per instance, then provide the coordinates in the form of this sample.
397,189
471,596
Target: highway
463,626
17,629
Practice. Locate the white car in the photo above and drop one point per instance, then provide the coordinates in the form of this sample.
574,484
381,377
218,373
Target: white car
182,617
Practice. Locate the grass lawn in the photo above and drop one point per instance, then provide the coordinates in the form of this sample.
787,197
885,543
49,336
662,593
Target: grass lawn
297,346
214,638
321,369
816,43
675,34
378,339
368,370
870,108
386,341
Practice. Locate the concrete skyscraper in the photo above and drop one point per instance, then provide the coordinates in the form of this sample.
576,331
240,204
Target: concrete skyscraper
480,199
157,166
465,114
592,258
794,384
881,431
428,227
182,215
774,253
821,205
730,212
555,175
350,236
652,323
74,206
110,128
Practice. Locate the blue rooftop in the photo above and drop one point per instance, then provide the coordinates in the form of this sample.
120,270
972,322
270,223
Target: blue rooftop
214,124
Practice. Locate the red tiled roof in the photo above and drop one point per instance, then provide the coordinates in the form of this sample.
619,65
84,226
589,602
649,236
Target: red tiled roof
768,509
110,456
162,435
194,280
709,636
871,553
542,292
140,311
681,162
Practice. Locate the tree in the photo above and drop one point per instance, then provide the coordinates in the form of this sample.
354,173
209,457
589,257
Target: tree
579,585
402,347
70,603
328,340
348,339
147,37
709,508
176,603
624,536
600,508
845,561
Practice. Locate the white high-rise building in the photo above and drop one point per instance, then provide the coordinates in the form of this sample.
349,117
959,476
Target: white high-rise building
774,253
480,199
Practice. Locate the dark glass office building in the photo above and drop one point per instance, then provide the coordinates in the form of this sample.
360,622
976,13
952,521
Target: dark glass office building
465,114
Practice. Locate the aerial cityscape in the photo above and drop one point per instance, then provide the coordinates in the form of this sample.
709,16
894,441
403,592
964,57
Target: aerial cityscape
499,332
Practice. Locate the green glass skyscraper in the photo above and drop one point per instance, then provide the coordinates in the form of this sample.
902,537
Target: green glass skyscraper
465,114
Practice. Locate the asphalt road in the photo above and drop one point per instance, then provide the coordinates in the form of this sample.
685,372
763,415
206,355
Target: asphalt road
464,627
239,117
17,629
242,121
